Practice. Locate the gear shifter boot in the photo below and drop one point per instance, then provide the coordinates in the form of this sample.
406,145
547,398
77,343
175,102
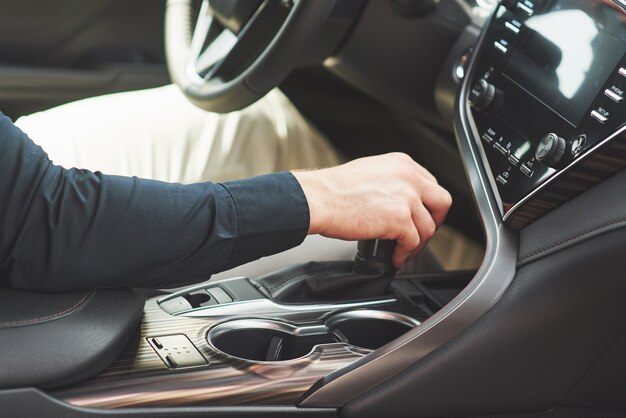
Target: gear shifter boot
369,276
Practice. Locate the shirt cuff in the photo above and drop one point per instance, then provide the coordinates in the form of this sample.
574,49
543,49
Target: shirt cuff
272,214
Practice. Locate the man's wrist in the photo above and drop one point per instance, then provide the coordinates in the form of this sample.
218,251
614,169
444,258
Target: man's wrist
316,191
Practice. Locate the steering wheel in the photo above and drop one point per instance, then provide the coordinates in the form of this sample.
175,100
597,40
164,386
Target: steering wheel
239,49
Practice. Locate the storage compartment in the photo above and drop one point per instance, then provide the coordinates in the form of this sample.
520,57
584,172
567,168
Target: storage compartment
267,340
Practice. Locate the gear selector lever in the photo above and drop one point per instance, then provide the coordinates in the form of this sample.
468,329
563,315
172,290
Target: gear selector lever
369,276
374,257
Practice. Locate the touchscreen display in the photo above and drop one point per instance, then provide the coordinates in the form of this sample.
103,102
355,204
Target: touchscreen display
567,54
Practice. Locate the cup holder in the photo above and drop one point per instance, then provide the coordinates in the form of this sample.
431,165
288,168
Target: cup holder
268,340
369,329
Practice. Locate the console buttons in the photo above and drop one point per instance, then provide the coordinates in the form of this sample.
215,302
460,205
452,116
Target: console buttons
502,45
550,150
489,136
528,7
482,94
513,25
615,93
171,363
502,180
527,171
601,115
177,351
219,295
156,343
514,160
578,144
622,71
501,149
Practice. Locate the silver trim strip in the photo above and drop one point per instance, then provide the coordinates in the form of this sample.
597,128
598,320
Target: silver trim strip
326,328
622,71
492,279
266,307
371,314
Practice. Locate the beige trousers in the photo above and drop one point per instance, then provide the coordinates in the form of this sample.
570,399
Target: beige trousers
158,134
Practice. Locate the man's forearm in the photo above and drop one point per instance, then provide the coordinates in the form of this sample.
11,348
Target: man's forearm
73,229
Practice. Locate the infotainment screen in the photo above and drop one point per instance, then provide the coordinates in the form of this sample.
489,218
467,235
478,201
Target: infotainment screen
565,66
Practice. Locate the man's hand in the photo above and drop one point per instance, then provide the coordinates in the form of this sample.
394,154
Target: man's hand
388,196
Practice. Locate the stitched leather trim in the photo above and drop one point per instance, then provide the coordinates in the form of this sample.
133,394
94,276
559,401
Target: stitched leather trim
60,314
572,240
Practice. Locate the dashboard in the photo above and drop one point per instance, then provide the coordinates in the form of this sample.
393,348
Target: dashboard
547,94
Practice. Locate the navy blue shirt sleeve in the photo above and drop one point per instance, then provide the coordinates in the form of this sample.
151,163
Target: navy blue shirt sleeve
73,229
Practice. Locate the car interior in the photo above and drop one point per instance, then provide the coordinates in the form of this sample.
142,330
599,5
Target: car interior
516,106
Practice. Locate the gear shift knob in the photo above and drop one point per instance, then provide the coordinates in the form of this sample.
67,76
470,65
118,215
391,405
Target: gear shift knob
374,257
370,276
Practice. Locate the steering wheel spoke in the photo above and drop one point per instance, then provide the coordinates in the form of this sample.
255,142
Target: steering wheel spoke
228,54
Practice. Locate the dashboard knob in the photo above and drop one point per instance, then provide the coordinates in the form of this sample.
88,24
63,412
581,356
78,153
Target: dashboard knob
482,94
550,150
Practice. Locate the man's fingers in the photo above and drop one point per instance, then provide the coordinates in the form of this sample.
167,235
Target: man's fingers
438,201
424,224
406,244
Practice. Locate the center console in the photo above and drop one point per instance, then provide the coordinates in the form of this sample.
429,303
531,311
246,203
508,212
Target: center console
548,93
266,340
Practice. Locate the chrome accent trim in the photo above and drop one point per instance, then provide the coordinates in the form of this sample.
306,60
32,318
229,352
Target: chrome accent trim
563,171
266,307
326,328
371,314
491,281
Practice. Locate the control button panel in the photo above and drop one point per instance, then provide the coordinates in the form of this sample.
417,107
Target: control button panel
512,122
177,351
